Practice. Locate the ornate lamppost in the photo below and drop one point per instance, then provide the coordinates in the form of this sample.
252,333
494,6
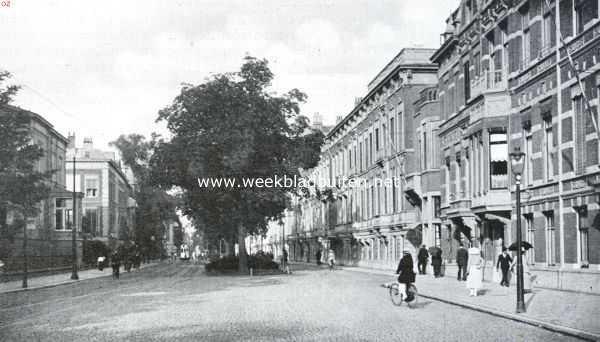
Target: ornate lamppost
517,159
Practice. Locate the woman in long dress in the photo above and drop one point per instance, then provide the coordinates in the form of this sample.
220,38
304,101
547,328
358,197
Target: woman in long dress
474,267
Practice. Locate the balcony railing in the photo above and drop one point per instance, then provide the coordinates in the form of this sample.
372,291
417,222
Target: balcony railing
489,80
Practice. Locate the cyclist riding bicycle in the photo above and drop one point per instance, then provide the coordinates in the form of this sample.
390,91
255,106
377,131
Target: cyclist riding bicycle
406,273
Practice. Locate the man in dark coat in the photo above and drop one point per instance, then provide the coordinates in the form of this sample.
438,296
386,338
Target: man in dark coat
436,262
423,256
405,270
462,258
318,257
504,263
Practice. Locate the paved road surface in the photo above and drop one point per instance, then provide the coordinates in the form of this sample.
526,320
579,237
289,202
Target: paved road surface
180,303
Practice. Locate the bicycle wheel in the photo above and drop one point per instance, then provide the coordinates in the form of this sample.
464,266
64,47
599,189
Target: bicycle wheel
396,294
412,290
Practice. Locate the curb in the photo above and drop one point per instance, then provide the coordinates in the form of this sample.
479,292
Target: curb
66,282
581,334
514,317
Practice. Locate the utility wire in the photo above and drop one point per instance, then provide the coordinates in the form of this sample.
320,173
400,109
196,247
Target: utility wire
577,76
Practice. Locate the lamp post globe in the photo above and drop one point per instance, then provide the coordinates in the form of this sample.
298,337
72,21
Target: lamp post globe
517,161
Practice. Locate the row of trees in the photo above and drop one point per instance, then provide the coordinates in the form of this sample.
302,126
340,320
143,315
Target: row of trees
229,126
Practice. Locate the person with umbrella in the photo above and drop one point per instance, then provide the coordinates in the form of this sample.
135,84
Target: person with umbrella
527,275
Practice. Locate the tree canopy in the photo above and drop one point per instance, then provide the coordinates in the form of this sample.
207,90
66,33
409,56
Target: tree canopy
22,186
233,126
155,206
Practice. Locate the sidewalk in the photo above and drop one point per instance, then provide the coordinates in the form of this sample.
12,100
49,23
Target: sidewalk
566,312
58,279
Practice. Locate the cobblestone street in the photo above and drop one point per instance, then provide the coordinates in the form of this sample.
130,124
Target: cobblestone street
175,303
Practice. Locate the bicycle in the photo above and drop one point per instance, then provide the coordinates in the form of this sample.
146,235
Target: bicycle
397,295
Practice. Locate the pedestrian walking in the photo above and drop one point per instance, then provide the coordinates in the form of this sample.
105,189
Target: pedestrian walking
475,275
423,256
462,257
318,256
504,262
284,262
116,265
436,262
331,259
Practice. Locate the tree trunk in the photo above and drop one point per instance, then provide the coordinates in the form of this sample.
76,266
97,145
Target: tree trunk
25,270
243,258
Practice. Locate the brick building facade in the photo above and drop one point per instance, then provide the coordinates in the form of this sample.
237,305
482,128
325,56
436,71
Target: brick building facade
499,90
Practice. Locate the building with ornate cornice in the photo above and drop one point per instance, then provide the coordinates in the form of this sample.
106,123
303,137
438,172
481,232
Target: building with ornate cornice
499,89
370,224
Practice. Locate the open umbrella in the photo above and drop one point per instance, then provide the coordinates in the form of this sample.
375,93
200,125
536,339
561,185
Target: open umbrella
434,250
524,244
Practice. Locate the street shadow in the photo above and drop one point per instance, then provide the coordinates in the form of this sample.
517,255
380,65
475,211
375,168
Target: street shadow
420,304
482,292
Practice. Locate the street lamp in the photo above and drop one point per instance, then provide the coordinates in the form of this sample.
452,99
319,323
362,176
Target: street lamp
517,162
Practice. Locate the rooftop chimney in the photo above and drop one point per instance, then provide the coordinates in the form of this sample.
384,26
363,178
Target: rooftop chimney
87,143
357,101
317,119
71,140
338,118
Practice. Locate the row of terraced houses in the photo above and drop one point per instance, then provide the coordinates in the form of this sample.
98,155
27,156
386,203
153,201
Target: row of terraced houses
441,124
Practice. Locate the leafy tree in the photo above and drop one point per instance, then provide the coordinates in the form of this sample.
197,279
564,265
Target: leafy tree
22,187
233,126
155,206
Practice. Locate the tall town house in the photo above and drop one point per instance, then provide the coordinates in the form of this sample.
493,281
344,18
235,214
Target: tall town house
108,208
49,234
499,89
370,224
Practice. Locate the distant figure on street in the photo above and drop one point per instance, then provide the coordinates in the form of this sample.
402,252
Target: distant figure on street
284,262
116,265
462,257
331,259
504,262
423,256
528,277
436,262
475,275
318,256
406,274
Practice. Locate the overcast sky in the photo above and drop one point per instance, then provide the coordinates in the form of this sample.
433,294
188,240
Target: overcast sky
105,68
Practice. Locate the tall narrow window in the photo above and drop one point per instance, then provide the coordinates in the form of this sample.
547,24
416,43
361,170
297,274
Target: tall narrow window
437,231
547,33
370,149
528,156
360,155
526,35
394,204
548,141
437,206
550,238
63,214
498,161
376,139
579,17
467,81
583,232
392,135
424,150
400,131
530,229
350,158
